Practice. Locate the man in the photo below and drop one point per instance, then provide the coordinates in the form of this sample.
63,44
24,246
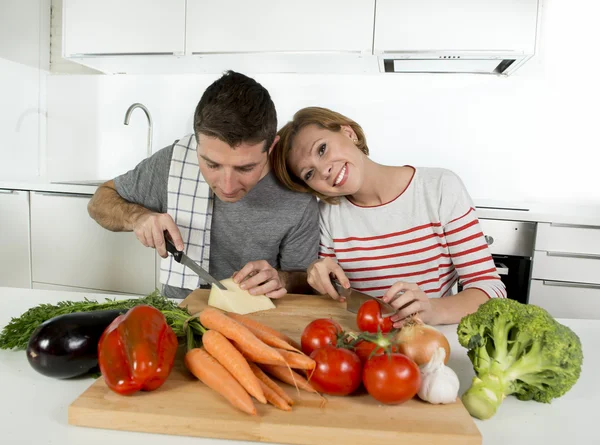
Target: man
215,195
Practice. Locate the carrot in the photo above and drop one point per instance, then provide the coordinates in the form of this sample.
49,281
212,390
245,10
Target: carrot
214,319
274,399
282,373
221,349
298,361
267,334
208,370
270,383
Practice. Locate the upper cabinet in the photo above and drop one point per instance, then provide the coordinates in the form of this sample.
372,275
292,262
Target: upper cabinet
232,26
429,25
274,36
108,27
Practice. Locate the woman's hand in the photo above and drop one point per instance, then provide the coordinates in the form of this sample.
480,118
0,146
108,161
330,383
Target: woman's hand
319,277
412,301
259,277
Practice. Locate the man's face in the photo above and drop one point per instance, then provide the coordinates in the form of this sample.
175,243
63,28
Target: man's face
231,173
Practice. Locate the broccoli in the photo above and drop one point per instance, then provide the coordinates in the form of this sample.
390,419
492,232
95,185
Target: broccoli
517,349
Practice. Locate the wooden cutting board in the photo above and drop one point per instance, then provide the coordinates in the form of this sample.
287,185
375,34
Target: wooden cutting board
185,406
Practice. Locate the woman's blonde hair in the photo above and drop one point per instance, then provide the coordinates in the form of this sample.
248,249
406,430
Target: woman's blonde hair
323,118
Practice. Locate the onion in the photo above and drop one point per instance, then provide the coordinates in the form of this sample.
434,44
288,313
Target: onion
420,341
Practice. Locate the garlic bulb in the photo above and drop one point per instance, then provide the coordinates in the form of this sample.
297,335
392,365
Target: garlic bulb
439,383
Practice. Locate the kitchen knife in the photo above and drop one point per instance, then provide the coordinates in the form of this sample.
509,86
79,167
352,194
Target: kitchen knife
354,299
182,258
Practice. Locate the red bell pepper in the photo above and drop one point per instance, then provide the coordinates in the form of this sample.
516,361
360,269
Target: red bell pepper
137,351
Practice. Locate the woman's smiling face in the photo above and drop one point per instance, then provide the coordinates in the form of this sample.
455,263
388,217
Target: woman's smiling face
328,161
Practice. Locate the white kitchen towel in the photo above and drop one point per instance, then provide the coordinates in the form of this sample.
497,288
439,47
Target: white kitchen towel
190,204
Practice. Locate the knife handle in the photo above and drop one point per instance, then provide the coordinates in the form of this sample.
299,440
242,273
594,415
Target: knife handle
171,247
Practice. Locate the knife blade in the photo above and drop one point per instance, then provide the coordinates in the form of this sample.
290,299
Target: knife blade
354,299
182,258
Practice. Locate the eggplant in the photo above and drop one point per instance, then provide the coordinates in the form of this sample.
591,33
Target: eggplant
67,346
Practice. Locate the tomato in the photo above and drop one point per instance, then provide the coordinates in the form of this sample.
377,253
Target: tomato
318,333
338,371
364,349
391,379
369,318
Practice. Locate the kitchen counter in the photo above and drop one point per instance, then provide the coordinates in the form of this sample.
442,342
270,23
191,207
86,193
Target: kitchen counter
34,407
556,213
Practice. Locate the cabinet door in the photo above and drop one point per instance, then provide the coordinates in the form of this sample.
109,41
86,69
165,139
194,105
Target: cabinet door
274,25
70,249
15,269
566,300
123,27
423,25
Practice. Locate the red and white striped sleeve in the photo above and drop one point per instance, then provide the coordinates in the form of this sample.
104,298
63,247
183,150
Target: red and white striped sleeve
466,243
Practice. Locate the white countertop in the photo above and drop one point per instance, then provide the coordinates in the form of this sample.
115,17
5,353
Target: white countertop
34,407
558,213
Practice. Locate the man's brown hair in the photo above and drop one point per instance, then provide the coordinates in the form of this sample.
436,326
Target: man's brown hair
236,109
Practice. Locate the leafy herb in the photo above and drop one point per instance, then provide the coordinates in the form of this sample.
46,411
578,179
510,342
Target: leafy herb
17,332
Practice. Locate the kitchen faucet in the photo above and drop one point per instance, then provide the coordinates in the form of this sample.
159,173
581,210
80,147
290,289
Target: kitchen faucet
126,122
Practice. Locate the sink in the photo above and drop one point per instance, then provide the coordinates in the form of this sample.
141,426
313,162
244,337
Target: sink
82,182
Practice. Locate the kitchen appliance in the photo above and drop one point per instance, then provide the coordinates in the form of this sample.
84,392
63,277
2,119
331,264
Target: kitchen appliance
354,299
511,244
459,36
182,258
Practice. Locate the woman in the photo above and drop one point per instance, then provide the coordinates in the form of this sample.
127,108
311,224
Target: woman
401,233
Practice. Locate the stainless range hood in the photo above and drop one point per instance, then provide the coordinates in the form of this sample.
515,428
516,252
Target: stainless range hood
436,62
455,36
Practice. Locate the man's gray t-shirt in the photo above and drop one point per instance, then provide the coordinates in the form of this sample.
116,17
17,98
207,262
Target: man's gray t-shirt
270,223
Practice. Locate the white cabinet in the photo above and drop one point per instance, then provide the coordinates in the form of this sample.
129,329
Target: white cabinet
123,27
566,270
25,32
70,249
15,270
227,26
566,300
430,25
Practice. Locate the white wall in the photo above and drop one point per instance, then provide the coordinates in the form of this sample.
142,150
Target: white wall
532,136
24,54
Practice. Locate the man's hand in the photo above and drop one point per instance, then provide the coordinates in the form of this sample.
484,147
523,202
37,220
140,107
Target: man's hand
149,228
319,277
259,277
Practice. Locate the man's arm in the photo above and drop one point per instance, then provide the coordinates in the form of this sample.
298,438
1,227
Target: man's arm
112,212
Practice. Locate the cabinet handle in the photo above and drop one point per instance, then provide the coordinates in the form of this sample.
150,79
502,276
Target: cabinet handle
574,226
6,192
569,284
588,256
70,195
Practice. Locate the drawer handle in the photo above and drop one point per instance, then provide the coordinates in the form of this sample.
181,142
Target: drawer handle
70,195
6,192
569,284
574,226
588,256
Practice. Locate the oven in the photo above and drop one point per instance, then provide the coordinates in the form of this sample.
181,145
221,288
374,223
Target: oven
511,244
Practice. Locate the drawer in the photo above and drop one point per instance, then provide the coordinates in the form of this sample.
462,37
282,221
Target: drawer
566,267
566,300
568,238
